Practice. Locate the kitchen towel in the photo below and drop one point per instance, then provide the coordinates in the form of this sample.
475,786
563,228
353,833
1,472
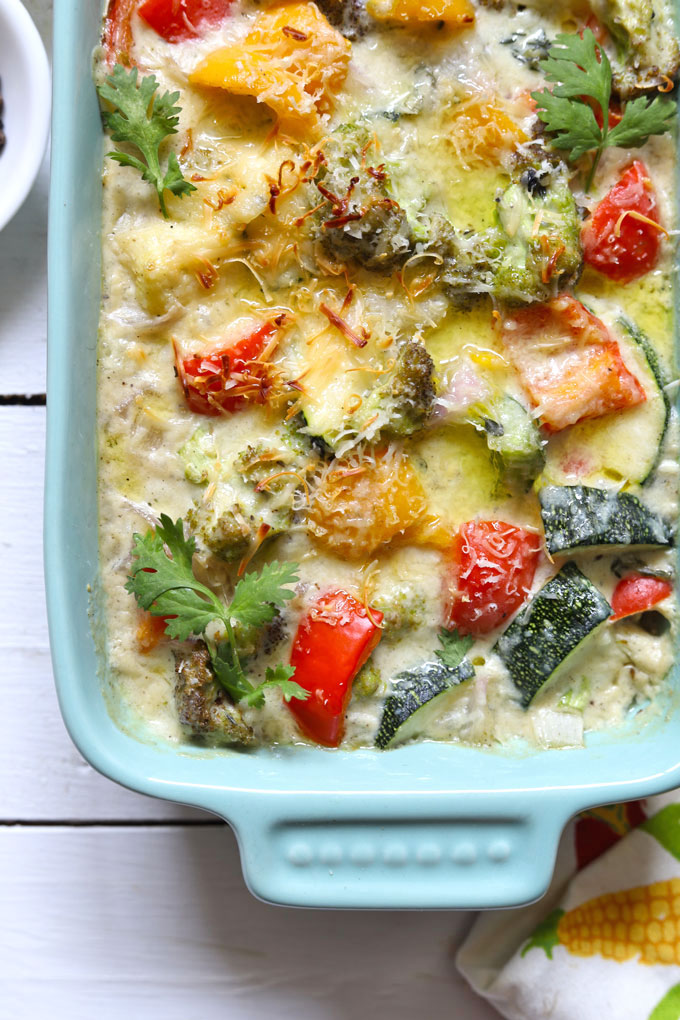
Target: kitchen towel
605,940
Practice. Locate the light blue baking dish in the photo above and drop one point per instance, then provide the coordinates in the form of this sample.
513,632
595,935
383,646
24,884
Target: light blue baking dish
427,825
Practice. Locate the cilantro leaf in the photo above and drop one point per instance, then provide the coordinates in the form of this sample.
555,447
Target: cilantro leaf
144,119
642,119
181,549
579,67
579,70
454,647
162,581
229,672
574,124
279,677
257,595
154,573
167,587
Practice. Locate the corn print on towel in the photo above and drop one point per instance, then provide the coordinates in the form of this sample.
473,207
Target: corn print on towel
605,941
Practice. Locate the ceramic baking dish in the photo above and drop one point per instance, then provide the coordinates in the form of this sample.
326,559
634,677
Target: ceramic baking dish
428,825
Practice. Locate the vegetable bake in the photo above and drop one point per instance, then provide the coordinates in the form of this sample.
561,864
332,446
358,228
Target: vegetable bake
387,439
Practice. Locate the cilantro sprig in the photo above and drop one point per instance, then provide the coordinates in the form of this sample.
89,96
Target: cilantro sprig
454,647
579,70
144,119
163,582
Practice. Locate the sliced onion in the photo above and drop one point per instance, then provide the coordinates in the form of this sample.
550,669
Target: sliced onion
558,729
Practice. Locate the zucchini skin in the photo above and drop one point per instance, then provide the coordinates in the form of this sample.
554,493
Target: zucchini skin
579,517
652,358
413,689
562,614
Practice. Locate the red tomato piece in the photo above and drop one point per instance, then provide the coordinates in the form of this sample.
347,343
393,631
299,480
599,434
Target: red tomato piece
226,379
491,570
178,20
597,28
117,37
150,631
622,237
333,641
569,363
636,593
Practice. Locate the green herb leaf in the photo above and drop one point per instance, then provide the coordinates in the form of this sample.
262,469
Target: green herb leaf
640,120
279,677
163,582
454,648
573,123
166,586
229,672
579,69
258,595
144,119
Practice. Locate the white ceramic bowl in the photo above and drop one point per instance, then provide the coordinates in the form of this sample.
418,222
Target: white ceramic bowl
26,90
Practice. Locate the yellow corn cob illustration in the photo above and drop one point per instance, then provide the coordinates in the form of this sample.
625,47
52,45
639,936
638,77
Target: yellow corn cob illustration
642,922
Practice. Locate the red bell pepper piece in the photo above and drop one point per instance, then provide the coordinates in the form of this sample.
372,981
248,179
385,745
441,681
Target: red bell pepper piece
117,36
569,363
178,20
333,641
228,378
491,570
621,239
636,593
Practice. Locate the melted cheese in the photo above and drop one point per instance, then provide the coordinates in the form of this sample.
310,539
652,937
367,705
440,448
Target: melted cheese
443,110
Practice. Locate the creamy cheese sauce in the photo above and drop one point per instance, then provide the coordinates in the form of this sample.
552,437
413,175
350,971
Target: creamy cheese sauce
404,86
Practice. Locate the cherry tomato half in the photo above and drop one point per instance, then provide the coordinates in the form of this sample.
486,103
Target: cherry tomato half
178,20
226,379
491,569
636,593
621,239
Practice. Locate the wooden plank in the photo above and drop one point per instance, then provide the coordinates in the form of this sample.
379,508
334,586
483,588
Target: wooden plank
43,776
157,923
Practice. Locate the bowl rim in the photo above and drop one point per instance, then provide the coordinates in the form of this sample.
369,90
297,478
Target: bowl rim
27,44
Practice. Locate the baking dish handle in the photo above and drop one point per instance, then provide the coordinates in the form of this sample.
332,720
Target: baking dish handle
393,851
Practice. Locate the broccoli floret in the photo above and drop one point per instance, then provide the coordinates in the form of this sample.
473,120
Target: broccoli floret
512,435
529,49
367,681
403,610
203,706
348,16
200,458
533,252
360,219
404,398
254,500
228,532
540,237
648,49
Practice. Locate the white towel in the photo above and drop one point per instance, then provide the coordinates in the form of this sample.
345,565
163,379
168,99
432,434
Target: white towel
604,943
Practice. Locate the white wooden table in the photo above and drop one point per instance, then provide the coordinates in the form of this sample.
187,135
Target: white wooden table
115,905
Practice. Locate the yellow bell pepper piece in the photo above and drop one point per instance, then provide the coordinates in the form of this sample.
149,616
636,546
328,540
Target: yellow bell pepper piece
453,12
292,60
481,131
359,507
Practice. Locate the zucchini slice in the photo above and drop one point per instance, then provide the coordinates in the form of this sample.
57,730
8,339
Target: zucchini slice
410,705
626,445
546,633
577,518
515,438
